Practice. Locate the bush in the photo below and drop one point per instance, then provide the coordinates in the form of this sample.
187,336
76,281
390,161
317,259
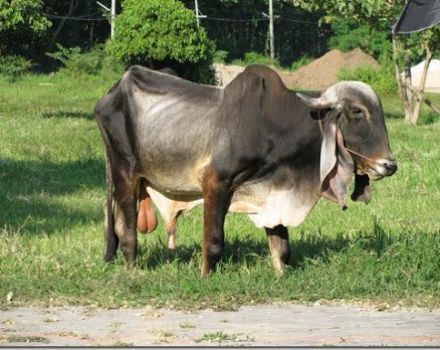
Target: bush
302,61
12,67
220,56
350,35
162,32
382,80
76,62
256,58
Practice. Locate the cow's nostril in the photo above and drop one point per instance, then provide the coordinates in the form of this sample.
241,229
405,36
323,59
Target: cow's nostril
391,166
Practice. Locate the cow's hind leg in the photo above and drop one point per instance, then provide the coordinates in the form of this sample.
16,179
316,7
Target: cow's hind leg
279,247
216,194
111,240
125,213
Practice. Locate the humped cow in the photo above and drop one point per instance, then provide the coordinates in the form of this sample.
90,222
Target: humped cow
253,147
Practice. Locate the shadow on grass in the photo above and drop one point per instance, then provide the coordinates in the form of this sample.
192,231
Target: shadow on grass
28,191
424,119
68,114
239,251
316,246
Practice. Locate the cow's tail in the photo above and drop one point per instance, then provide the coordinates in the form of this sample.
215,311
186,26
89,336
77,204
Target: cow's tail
111,239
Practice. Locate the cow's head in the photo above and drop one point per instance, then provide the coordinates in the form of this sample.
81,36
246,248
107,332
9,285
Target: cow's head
355,139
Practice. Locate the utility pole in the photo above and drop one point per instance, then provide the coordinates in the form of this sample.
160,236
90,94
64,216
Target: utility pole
196,7
112,11
271,36
112,23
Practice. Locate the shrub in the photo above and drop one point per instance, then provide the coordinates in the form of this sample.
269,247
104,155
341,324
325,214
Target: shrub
302,61
220,56
77,62
158,32
256,58
12,67
381,80
350,35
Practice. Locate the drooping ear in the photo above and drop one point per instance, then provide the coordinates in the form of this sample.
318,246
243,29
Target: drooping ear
328,156
336,169
362,190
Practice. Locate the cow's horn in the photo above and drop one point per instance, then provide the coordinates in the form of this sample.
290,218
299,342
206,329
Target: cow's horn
316,103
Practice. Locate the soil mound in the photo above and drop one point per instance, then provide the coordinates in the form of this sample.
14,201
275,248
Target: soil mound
324,71
317,75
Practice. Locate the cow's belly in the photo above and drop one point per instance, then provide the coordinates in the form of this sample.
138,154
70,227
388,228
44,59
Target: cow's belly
182,183
272,207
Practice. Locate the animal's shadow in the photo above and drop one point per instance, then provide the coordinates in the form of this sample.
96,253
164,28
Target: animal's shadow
28,189
68,114
311,246
239,251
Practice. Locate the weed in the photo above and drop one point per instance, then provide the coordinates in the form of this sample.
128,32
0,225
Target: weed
186,325
27,339
221,337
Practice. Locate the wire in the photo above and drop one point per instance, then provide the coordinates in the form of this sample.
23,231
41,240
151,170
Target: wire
296,20
235,20
76,18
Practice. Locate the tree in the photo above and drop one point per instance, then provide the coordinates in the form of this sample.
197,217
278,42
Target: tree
407,49
161,32
21,21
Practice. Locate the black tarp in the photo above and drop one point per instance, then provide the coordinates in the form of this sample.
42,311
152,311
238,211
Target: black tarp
418,15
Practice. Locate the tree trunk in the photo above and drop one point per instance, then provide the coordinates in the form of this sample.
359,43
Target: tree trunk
419,95
405,94
72,7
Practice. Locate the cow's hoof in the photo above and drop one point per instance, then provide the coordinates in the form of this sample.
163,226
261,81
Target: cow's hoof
279,266
206,271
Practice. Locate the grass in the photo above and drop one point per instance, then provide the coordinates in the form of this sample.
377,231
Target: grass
221,337
27,339
52,191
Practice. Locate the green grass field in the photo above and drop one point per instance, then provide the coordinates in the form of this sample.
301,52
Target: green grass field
52,192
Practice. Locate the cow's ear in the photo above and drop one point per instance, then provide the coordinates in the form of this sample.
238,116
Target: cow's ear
336,165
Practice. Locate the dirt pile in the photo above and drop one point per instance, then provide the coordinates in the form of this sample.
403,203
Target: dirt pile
317,75
324,71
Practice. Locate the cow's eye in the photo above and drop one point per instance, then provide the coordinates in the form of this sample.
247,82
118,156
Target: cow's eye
357,113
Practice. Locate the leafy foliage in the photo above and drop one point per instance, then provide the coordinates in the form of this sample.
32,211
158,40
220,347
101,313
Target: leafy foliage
256,58
350,35
379,13
93,61
302,61
14,66
159,31
20,22
220,56
381,80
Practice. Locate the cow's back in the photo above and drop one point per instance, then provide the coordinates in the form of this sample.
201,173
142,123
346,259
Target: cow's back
166,123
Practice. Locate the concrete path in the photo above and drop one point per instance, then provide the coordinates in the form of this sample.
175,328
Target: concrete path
260,325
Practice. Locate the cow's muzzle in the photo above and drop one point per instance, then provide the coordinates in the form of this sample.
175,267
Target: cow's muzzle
380,168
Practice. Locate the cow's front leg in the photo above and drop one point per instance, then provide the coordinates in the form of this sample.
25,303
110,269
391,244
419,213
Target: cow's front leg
216,202
279,247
